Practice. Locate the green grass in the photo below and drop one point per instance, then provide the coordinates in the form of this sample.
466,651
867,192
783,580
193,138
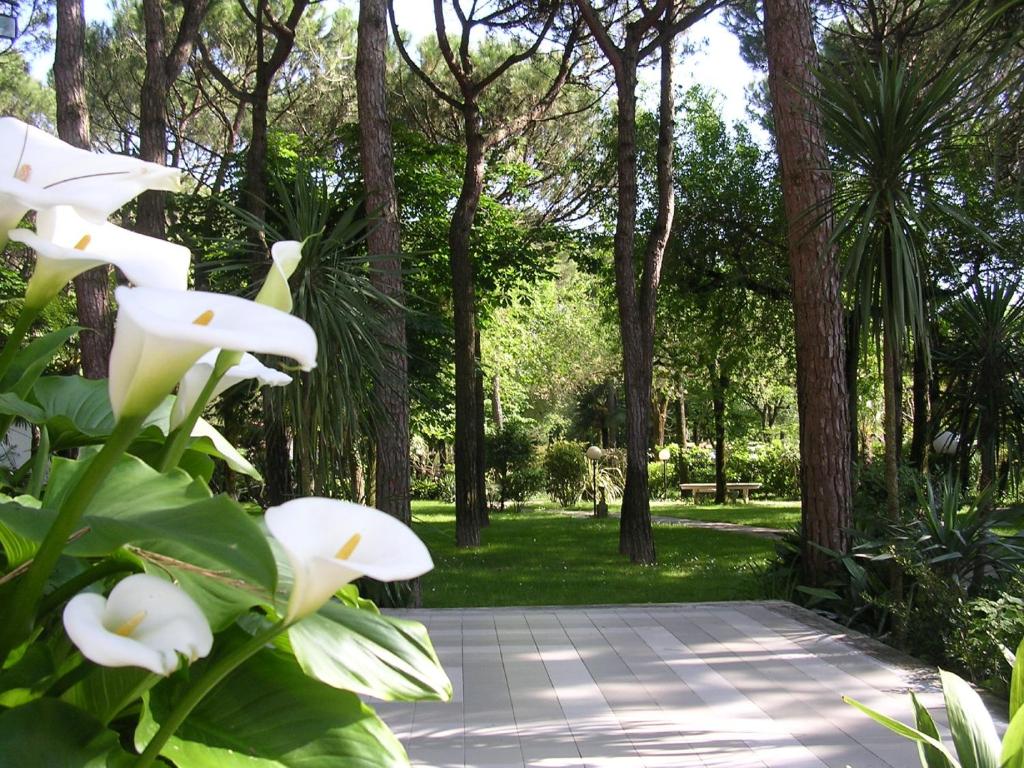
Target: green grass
765,514
782,515
544,558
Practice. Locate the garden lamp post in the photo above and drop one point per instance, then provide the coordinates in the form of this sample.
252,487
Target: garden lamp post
946,444
594,454
664,455
8,20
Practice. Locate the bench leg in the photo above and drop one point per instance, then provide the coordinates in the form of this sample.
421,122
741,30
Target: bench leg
746,495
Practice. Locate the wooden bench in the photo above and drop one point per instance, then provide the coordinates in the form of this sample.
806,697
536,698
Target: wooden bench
698,488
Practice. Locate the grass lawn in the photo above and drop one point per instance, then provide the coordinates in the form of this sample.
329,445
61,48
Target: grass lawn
765,514
544,558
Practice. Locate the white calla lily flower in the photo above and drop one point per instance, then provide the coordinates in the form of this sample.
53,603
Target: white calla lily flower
330,543
146,622
195,379
159,335
40,171
286,255
67,244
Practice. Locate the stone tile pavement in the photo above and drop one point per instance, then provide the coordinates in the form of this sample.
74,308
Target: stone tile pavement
730,685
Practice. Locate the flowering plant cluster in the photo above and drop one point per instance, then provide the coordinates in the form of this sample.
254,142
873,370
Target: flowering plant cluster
145,617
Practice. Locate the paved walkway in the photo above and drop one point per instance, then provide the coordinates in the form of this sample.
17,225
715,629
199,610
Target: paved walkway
732,685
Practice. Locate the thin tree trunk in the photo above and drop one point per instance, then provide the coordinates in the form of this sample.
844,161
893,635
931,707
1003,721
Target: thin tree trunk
481,442
922,411
821,382
92,288
391,389
467,501
497,414
683,432
662,419
277,470
890,370
852,362
719,384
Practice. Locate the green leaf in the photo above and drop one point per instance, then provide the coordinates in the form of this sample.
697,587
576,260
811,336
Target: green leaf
1012,753
18,548
904,730
1017,681
974,733
364,652
930,757
12,405
169,515
31,361
268,714
106,691
823,594
78,412
55,734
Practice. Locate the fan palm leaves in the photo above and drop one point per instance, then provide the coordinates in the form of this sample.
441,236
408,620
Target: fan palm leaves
981,365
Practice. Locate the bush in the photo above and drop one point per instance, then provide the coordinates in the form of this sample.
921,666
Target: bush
523,483
440,488
777,467
696,465
565,467
510,457
663,480
991,625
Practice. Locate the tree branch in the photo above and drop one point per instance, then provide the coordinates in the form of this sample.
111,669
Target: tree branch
414,67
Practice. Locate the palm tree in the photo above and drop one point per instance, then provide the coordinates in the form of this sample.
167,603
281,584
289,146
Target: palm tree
981,365
889,126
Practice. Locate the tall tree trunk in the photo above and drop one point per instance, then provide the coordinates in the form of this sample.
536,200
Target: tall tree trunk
497,414
153,117
467,501
391,389
92,288
719,385
611,405
682,431
661,404
821,381
852,360
481,442
922,411
277,469
890,371
162,69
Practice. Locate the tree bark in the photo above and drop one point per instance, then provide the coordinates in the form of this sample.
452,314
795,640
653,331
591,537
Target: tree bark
683,432
496,411
919,441
852,361
719,385
162,69
277,469
391,390
467,489
92,288
890,370
481,442
821,381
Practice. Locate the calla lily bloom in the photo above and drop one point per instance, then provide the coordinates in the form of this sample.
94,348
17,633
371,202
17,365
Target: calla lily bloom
330,543
146,622
40,171
66,244
195,379
276,292
159,335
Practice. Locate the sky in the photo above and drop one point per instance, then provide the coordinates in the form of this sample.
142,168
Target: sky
717,65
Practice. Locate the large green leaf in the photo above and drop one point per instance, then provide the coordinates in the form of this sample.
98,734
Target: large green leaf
1017,681
930,757
55,734
31,361
268,714
903,730
170,516
17,548
365,652
106,691
1012,753
974,733
78,412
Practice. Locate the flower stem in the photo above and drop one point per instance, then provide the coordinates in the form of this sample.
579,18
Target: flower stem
22,611
213,676
178,440
25,319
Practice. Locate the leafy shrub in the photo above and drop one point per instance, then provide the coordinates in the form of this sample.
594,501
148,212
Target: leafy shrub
696,465
565,467
510,457
663,480
777,468
523,483
440,488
